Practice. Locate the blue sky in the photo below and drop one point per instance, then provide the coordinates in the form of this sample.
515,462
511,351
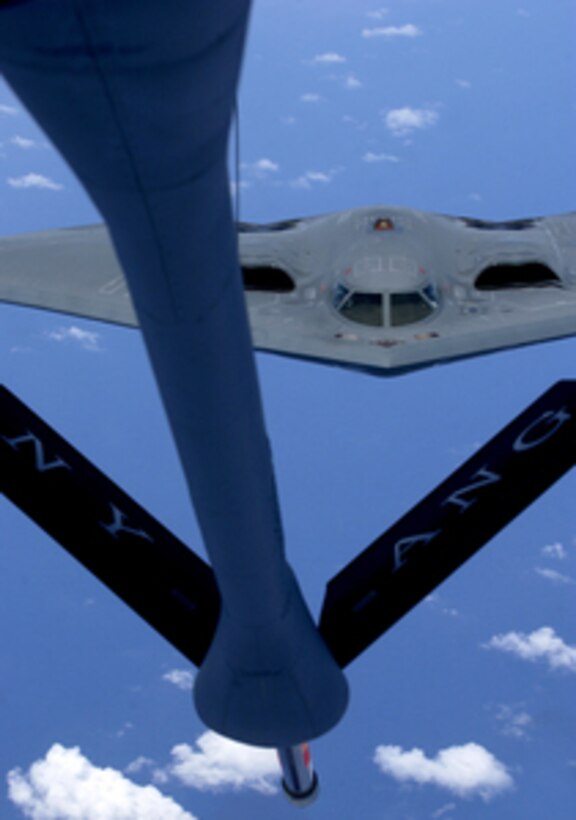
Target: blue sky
466,708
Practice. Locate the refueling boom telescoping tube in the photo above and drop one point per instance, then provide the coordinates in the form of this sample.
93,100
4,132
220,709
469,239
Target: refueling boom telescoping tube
299,780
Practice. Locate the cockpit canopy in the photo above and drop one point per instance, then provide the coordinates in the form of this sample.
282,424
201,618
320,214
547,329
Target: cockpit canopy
385,308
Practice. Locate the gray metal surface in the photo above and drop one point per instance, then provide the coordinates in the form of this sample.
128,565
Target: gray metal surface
424,270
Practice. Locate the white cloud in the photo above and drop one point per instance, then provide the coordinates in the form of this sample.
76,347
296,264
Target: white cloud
359,125
23,142
464,83
8,110
217,764
266,164
352,82
310,98
555,550
318,176
241,186
310,177
85,338
515,721
65,785
409,30
553,575
330,58
466,771
261,167
139,764
33,180
541,645
181,678
444,810
378,14
370,157
402,121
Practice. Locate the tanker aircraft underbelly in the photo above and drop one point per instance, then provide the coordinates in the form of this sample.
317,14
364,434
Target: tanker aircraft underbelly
382,288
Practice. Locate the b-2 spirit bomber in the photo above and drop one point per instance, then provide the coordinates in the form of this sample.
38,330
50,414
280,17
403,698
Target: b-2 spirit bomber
384,289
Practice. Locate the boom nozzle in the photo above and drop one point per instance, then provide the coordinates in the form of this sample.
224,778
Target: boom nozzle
299,780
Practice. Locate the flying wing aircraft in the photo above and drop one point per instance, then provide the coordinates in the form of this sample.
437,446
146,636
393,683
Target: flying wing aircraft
140,104
382,289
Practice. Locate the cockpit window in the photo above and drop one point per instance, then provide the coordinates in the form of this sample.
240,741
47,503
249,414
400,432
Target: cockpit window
406,308
364,308
379,309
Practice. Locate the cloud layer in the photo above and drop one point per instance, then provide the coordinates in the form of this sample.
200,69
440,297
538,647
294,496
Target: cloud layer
65,785
408,30
85,338
466,771
218,764
180,678
33,180
541,645
403,121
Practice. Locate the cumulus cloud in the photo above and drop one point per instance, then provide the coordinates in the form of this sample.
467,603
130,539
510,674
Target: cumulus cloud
33,180
181,678
310,98
139,764
371,157
553,576
65,785
85,338
266,164
23,142
329,58
8,110
541,645
351,81
217,764
378,14
444,810
261,169
466,771
308,179
515,721
403,121
408,30
555,550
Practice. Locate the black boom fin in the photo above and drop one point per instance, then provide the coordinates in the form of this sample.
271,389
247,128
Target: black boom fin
445,529
116,539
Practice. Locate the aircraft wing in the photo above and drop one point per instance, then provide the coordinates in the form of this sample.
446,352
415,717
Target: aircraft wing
337,290
73,270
